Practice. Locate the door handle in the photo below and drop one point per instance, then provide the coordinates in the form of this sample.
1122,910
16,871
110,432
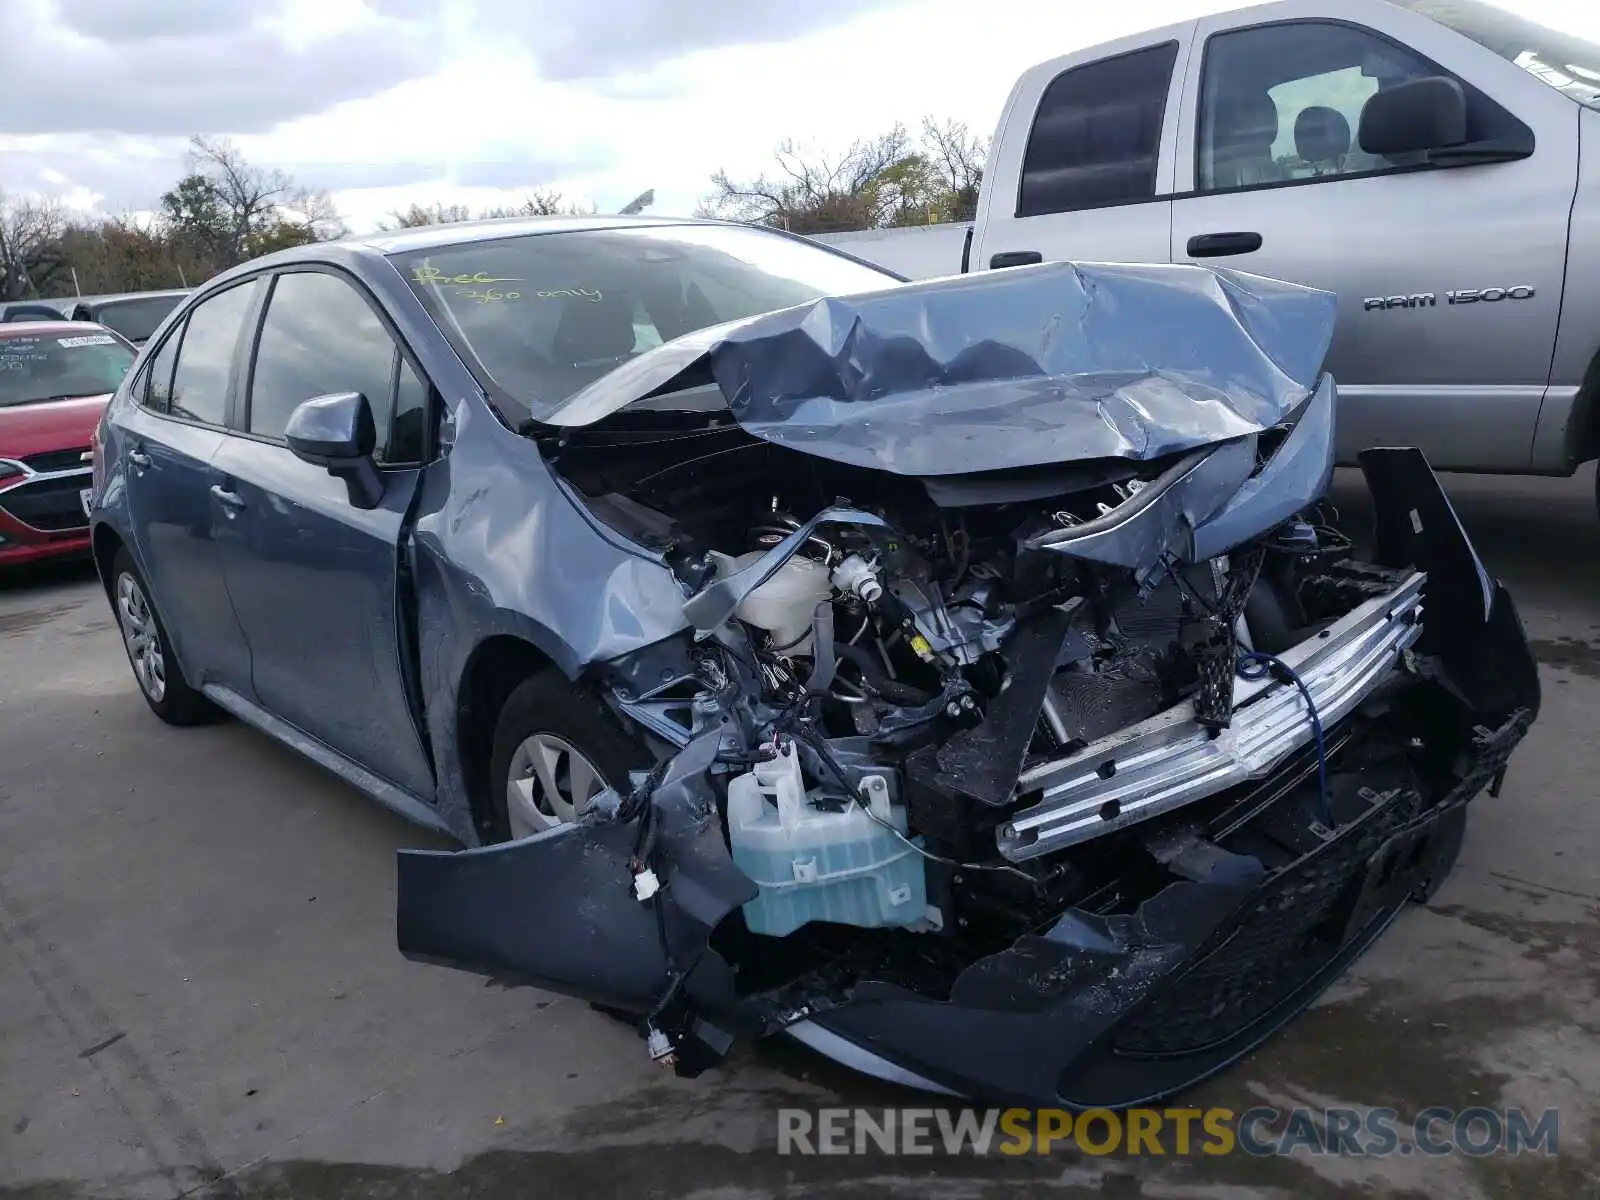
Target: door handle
139,458
1015,258
1220,245
228,500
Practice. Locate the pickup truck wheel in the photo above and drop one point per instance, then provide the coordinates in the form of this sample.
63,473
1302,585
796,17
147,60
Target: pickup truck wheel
156,671
555,747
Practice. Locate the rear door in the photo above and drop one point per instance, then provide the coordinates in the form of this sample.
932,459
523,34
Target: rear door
1282,187
315,581
1080,171
170,435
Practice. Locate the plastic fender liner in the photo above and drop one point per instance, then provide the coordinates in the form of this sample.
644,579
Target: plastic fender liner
1472,625
560,910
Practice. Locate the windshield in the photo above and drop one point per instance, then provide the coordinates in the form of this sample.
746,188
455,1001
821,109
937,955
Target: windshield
53,366
1566,62
136,320
540,316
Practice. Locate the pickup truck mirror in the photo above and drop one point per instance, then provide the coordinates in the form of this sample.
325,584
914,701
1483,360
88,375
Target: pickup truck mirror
336,432
1419,115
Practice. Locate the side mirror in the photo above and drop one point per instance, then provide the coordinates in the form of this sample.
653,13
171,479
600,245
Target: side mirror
336,432
1422,114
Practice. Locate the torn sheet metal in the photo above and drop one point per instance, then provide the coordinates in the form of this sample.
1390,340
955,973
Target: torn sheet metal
1160,517
1208,501
1291,480
1020,368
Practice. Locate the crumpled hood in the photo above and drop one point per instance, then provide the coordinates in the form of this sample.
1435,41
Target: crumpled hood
1016,368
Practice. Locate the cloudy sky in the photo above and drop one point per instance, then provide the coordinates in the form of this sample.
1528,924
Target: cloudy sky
384,102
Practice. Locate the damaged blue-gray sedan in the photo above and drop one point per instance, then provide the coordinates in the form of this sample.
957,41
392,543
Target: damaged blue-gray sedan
962,677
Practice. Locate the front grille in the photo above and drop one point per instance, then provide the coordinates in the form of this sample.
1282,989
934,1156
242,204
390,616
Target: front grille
52,505
57,460
1281,937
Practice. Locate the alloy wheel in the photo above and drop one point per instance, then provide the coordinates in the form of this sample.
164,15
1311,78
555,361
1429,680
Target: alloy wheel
549,783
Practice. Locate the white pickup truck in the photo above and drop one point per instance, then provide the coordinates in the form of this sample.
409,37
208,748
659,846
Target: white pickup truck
1436,163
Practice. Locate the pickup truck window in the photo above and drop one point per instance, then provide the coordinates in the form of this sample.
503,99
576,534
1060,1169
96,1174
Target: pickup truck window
1567,63
1097,134
1281,103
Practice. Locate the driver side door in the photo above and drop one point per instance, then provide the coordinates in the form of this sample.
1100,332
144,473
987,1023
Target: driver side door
316,582
1274,181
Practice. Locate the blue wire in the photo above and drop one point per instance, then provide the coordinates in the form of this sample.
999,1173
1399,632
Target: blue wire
1255,665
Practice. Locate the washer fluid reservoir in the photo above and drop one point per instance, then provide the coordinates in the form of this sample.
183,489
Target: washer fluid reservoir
812,864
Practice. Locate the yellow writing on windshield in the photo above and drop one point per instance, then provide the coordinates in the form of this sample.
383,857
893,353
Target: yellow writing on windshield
589,294
487,295
436,276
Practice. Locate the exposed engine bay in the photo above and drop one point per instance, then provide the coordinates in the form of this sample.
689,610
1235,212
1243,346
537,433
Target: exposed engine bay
1056,782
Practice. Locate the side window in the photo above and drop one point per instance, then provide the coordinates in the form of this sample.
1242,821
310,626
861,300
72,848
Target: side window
156,393
320,336
205,356
1282,103
1097,135
408,438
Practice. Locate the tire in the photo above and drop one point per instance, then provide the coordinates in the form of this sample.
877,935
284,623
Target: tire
551,731
155,668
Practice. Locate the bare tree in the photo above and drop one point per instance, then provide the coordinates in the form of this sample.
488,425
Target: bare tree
317,213
31,254
544,202
813,192
233,210
958,156
886,180
432,214
249,196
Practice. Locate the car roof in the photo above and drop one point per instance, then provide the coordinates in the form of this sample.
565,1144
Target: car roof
381,244
125,297
426,237
13,329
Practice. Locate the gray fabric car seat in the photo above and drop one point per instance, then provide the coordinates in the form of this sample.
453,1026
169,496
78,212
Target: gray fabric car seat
594,331
1322,139
1247,126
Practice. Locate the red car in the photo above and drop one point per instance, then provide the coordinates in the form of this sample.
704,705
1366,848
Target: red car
55,379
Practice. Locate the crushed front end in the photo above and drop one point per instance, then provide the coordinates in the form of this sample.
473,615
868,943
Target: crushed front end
1060,784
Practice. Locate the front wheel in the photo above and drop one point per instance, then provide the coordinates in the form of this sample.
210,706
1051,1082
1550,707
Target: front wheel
556,746
156,671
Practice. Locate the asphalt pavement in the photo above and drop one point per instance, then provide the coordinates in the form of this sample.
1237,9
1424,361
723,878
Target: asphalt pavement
199,988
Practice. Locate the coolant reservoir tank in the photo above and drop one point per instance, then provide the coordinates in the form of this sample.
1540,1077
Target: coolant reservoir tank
785,604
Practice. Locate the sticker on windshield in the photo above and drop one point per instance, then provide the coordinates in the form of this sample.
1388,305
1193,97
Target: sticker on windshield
88,339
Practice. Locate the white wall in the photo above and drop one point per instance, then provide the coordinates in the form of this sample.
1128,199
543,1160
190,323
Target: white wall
916,251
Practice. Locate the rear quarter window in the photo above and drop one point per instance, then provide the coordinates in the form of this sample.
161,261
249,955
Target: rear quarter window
1096,138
